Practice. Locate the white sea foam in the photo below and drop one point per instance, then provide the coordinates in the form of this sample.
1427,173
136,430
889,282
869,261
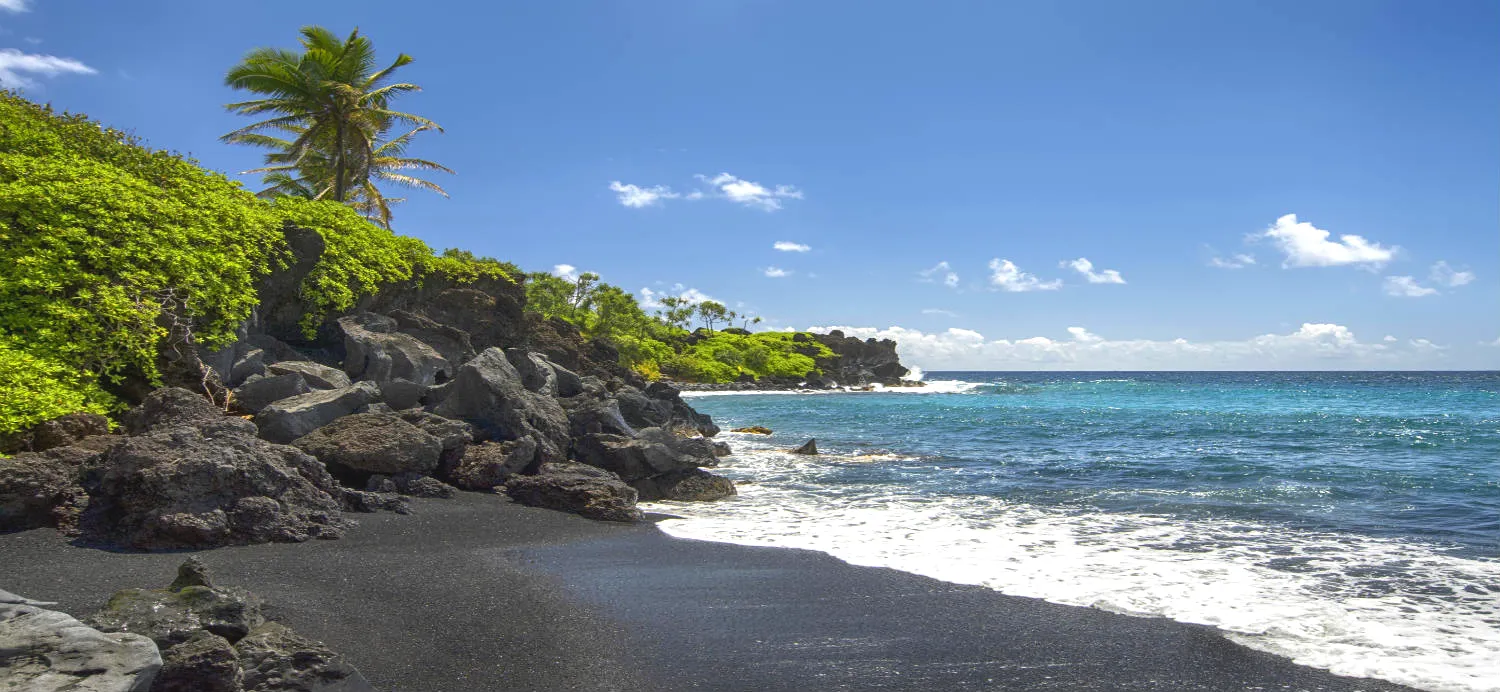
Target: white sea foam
1355,605
935,387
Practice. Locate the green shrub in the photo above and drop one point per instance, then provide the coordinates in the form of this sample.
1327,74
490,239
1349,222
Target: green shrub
97,235
35,389
101,238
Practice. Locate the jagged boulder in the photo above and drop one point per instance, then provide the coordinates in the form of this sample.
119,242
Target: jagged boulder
46,651
170,617
204,662
41,489
654,452
317,376
274,658
589,415
809,448
373,443
191,486
489,394
537,374
58,432
289,419
689,485
578,488
660,405
488,465
261,391
452,343
171,407
411,484
374,350
368,502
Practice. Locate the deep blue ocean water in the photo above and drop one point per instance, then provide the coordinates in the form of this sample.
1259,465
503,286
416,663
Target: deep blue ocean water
1348,520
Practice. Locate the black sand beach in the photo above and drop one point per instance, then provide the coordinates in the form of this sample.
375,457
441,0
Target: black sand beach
476,593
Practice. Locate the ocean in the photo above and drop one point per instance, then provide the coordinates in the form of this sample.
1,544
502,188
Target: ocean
1349,520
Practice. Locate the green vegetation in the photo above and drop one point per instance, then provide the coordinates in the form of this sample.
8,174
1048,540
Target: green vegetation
105,245
330,132
654,345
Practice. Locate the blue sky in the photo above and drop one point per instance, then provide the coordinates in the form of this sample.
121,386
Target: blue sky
670,145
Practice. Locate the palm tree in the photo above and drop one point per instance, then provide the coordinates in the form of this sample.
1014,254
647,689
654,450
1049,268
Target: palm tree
311,177
335,107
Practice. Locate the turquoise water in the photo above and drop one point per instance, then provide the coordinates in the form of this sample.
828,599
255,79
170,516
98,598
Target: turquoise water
1348,520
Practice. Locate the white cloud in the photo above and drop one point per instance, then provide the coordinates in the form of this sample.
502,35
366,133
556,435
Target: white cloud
636,197
567,271
1445,275
1306,245
1495,343
651,300
1407,287
17,68
1006,276
749,193
940,272
1235,262
939,311
13,5
1312,346
777,273
789,246
1083,266
1389,339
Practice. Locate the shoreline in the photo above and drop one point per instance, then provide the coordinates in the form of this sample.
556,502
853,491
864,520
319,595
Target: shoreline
478,593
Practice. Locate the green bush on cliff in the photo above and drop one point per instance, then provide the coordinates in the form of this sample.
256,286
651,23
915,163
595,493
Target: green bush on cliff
98,236
725,357
104,243
35,389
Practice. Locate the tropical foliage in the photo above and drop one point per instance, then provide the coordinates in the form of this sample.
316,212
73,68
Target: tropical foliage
331,119
104,242
659,344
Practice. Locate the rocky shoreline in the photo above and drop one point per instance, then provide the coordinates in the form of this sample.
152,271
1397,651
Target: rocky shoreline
424,390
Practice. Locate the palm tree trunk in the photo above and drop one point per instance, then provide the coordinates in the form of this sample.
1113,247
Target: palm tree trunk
338,163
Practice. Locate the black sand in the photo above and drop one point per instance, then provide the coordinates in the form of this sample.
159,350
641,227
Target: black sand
478,594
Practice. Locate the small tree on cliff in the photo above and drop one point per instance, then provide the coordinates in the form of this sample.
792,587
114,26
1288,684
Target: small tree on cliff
713,312
330,119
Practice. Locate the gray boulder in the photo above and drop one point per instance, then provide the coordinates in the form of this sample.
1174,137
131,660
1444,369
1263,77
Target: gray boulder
578,488
809,448
41,489
275,659
401,394
537,373
374,350
373,443
691,485
412,485
489,393
246,366
170,617
58,432
488,465
289,419
367,502
260,391
317,376
589,415
204,662
653,453
661,406
453,344
47,651
171,407
218,484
